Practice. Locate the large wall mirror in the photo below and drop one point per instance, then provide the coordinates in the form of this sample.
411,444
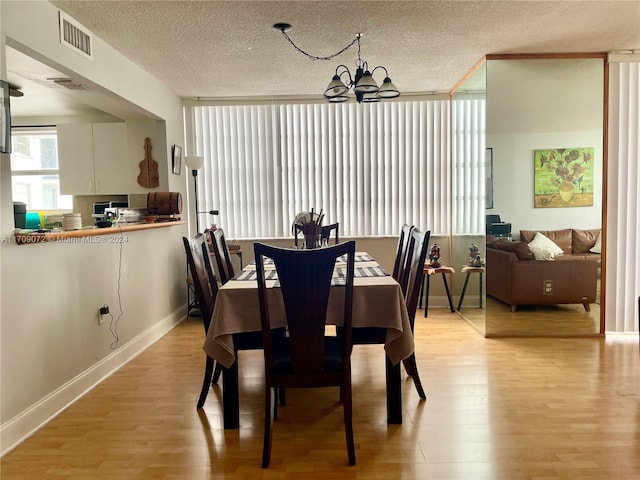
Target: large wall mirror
544,126
469,103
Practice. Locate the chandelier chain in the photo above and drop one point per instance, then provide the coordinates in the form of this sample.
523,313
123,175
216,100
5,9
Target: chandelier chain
328,57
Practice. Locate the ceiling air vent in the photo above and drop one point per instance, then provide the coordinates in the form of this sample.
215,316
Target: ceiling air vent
67,83
75,36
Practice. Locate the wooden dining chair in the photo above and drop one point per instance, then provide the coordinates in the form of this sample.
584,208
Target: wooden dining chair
306,357
377,335
201,270
400,261
221,252
411,276
414,274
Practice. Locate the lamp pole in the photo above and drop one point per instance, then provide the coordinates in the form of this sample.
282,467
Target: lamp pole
195,189
195,163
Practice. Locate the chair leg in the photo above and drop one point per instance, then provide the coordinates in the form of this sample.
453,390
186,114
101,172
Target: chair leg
206,382
269,410
216,374
347,406
411,367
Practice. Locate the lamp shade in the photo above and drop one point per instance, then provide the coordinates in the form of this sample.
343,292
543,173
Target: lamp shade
335,88
388,89
366,84
194,163
370,98
338,99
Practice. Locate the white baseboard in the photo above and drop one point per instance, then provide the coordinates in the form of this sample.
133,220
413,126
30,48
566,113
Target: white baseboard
16,430
441,301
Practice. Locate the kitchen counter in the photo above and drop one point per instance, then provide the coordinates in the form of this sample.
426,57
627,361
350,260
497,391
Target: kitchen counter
75,235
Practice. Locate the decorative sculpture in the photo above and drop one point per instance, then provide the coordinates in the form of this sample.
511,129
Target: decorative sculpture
474,255
434,256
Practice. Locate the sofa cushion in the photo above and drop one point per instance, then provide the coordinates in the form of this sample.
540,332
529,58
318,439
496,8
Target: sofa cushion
562,238
597,247
583,240
544,248
521,249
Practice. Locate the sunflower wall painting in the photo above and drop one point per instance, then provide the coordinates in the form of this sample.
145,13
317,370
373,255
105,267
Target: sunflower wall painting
563,177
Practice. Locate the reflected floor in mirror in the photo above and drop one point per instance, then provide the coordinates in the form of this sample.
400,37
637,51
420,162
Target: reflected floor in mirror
496,409
542,320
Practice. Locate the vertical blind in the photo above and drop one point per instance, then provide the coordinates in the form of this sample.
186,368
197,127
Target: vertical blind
623,199
371,167
469,172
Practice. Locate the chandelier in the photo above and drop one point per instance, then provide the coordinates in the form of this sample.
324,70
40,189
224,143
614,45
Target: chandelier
362,82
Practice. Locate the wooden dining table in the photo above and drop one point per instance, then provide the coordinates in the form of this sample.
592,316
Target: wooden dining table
377,302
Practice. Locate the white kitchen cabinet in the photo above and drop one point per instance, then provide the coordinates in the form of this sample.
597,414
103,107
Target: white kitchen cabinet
92,158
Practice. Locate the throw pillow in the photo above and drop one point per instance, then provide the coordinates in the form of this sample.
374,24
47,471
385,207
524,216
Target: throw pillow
597,248
543,248
562,238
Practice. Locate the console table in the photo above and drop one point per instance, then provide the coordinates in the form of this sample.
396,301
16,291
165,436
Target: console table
428,271
469,270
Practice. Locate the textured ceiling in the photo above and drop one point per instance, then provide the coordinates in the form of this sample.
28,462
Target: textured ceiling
230,49
219,49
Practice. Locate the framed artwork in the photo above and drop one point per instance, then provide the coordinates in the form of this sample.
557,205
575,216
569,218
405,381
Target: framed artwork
176,158
488,181
563,177
5,118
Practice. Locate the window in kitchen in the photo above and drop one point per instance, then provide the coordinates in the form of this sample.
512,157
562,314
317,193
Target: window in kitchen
35,178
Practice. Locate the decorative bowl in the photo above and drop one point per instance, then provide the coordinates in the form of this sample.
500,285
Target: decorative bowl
150,218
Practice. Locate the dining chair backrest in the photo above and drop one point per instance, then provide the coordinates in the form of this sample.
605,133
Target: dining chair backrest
325,233
401,255
305,278
221,252
202,275
414,269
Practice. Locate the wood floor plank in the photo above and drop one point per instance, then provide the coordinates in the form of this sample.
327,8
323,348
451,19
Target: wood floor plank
498,408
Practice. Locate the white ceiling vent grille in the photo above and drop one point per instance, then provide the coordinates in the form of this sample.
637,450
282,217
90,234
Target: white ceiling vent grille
75,36
67,83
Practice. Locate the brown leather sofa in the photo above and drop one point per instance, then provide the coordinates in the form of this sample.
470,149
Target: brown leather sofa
516,278
575,243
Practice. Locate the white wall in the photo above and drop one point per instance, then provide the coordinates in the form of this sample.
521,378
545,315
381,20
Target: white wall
51,346
542,104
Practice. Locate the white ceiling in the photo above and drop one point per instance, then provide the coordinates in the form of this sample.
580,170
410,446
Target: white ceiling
217,49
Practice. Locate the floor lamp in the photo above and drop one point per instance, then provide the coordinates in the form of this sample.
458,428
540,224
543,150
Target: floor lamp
195,164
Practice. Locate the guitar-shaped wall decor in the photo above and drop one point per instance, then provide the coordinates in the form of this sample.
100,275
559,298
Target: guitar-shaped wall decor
148,176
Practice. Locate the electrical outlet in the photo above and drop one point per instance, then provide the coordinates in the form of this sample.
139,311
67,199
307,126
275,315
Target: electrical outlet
547,288
103,311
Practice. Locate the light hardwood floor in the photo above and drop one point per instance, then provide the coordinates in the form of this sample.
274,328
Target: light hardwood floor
519,408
